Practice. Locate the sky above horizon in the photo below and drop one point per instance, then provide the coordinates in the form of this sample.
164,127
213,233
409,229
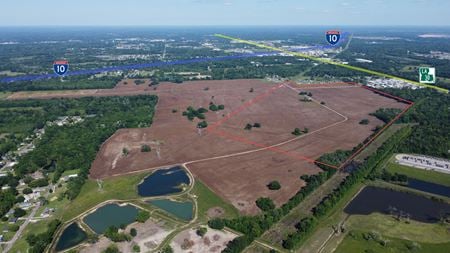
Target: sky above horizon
224,12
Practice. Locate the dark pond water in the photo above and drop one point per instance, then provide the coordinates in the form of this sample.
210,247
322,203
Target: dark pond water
70,237
429,187
163,182
374,199
111,215
182,210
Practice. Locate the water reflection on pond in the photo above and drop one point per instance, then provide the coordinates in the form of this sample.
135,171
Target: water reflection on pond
374,199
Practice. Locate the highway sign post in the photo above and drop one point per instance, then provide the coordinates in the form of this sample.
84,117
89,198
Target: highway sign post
427,75
333,37
61,67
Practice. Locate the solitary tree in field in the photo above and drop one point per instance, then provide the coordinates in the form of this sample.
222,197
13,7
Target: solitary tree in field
213,107
125,151
297,131
201,231
145,148
274,185
133,232
202,124
364,122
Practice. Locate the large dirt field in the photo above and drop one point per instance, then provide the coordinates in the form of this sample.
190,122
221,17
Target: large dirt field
236,163
178,140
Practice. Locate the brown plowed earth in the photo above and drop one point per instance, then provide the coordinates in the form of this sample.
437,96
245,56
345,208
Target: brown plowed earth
215,155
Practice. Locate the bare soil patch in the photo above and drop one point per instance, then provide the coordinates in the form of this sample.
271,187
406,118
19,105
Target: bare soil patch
222,155
174,139
149,235
215,212
212,241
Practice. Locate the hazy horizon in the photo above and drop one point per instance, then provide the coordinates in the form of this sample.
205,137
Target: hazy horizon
225,13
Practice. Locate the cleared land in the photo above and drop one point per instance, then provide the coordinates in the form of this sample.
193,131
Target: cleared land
236,163
149,235
212,241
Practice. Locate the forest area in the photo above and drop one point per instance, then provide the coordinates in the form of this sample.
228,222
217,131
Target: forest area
74,145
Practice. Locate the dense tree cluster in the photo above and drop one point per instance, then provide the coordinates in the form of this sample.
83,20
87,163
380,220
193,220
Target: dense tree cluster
69,83
7,200
335,158
192,113
142,216
304,228
111,249
430,116
265,204
393,177
114,235
386,114
41,182
75,146
38,243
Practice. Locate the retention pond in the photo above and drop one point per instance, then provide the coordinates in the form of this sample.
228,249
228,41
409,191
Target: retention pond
111,215
419,208
163,182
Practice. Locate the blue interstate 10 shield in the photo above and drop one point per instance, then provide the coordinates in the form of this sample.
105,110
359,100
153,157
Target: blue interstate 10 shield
61,67
333,37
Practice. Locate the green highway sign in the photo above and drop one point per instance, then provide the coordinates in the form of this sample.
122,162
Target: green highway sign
427,75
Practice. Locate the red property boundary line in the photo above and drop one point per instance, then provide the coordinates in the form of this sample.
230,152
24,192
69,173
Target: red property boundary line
213,128
410,104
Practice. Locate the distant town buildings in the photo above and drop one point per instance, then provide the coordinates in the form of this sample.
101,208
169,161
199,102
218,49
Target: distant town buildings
381,83
424,162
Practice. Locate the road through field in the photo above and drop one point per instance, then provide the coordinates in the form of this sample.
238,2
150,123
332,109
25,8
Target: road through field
273,147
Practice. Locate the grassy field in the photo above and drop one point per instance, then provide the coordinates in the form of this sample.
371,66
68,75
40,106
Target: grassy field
425,175
21,244
354,243
4,95
256,248
388,226
207,199
121,188
379,141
